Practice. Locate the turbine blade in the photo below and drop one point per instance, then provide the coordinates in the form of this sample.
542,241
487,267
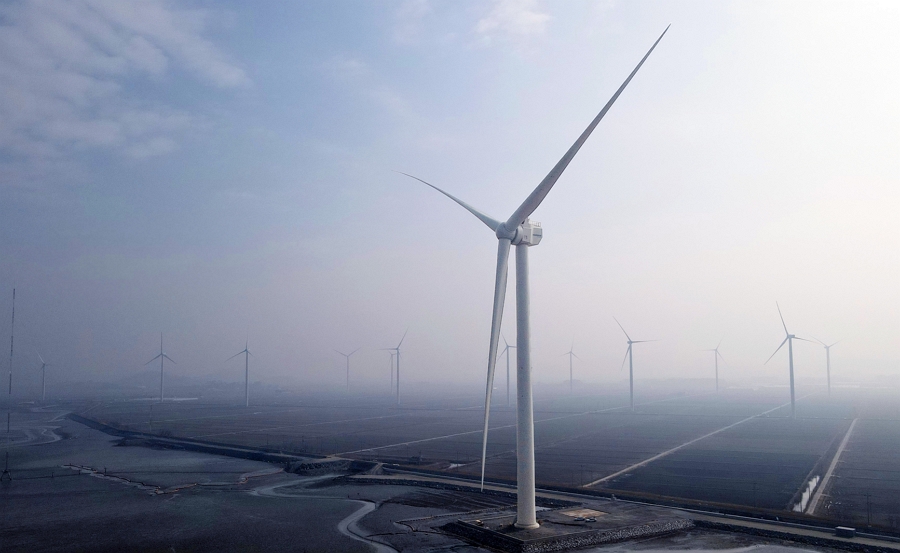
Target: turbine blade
492,223
628,349
803,339
41,358
776,351
719,344
782,318
537,196
576,357
642,341
496,320
401,340
354,351
836,343
154,359
167,357
233,356
623,328
722,357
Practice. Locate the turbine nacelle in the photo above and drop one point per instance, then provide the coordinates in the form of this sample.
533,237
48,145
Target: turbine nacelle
528,233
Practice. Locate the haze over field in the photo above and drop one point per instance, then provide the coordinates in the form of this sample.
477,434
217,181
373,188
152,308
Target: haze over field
214,171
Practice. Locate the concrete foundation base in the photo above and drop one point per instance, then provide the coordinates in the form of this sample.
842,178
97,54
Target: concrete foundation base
565,529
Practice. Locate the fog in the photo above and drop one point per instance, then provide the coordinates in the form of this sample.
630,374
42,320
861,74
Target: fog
222,174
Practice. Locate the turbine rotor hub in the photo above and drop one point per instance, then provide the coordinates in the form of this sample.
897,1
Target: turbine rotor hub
528,233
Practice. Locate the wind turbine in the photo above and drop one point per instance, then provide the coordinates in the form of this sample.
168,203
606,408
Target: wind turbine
630,357
162,359
247,354
828,360
717,355
519,231
789,338
571,354
44,366
506,352
347,355
395,351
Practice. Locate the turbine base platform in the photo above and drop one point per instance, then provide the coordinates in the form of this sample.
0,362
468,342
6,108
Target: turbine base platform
568,528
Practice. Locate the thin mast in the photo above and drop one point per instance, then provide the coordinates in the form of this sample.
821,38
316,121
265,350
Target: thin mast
12,330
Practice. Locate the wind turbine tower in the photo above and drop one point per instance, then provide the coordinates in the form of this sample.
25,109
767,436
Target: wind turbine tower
162,359
392,370
789,338
12,333
44,366
519,231
571,354
506,351
630,357
247,354
828,361
396,351
347,355
716,356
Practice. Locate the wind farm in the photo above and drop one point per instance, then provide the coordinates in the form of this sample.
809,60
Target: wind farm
184,173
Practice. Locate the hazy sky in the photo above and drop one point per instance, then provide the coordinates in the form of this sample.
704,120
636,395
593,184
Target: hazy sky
214,170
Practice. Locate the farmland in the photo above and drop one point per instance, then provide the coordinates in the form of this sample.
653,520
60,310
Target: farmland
866,485
737,447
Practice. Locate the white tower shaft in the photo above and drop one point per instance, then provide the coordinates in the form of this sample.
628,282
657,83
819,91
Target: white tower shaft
526,516
631,374
791,362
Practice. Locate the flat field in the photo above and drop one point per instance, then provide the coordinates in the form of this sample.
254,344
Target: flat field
866,485
738,447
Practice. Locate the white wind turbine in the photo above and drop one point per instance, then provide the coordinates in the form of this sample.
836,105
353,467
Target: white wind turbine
396,351
519,231
789,338
717,355
506,352
247,354
630,357
162,359
571,354
828,360
44,366
347,355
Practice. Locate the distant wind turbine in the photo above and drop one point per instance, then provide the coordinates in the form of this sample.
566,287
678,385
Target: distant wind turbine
44,366
347,355
717,355
506,351
789,338
247,354
828,360
630,357
162,359
396,352
571,354
519,231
